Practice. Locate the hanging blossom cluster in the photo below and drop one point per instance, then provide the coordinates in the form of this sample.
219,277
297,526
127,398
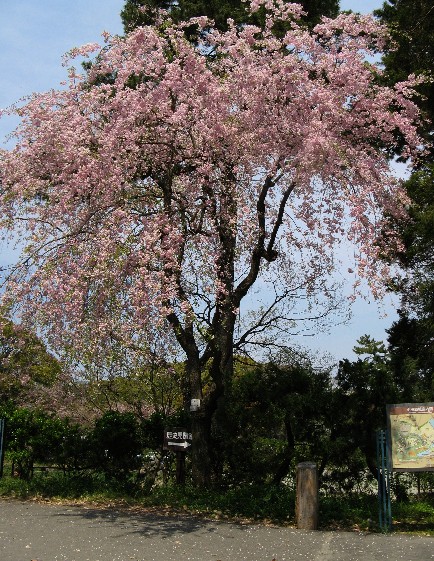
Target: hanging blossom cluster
156,189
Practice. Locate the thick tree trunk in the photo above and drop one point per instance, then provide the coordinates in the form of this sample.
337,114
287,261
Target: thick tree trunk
200,424
206,449
200,449
218,355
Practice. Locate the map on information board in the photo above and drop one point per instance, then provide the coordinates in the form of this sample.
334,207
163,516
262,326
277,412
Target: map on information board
411,430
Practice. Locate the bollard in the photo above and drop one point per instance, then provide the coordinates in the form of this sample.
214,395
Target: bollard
306,507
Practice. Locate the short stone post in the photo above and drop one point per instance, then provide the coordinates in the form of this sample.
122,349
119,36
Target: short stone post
306,507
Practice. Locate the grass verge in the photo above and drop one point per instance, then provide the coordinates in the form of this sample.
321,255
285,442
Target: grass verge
261,503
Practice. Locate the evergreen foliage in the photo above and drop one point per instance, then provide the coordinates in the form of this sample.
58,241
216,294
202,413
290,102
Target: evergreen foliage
280,415
411,337
144,12
411,24
24,362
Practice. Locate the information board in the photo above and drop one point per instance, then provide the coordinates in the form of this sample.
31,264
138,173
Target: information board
411,440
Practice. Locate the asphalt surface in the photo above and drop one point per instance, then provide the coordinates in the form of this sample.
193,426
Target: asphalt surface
45,532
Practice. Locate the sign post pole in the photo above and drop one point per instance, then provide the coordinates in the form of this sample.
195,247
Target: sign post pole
383,476
178,440
2,449
180,468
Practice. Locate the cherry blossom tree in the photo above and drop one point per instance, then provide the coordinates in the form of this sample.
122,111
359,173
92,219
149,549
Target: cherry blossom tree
157,190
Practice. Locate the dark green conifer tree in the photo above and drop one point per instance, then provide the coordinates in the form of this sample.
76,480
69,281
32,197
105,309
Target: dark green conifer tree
411,337
411,51
133,14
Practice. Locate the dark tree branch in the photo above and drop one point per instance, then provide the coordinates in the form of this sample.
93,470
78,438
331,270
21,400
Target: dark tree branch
260,251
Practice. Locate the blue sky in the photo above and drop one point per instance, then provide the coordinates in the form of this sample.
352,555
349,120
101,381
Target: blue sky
33,37
34,34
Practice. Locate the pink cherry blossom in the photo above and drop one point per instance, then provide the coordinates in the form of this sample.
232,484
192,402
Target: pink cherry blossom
152,202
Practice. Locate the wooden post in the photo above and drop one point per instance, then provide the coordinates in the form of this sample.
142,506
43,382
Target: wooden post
306,508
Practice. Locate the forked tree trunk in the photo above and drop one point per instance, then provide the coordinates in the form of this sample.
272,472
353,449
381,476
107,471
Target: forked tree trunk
203,449
218,356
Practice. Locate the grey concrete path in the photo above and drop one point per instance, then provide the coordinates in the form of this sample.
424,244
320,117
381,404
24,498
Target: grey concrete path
45,532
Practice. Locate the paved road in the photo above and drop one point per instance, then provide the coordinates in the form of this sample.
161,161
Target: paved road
45,532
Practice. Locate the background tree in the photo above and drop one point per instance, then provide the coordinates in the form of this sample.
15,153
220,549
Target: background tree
24,363
411,336
279,416
153,204
364,387
411,51
411,25
117,444
144,12
132,379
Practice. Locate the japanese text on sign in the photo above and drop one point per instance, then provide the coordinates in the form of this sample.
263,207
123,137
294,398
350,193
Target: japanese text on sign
180,435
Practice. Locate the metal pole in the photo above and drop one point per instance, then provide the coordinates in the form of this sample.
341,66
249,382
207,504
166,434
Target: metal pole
383,470
379,479
2,451
383,481
389,473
